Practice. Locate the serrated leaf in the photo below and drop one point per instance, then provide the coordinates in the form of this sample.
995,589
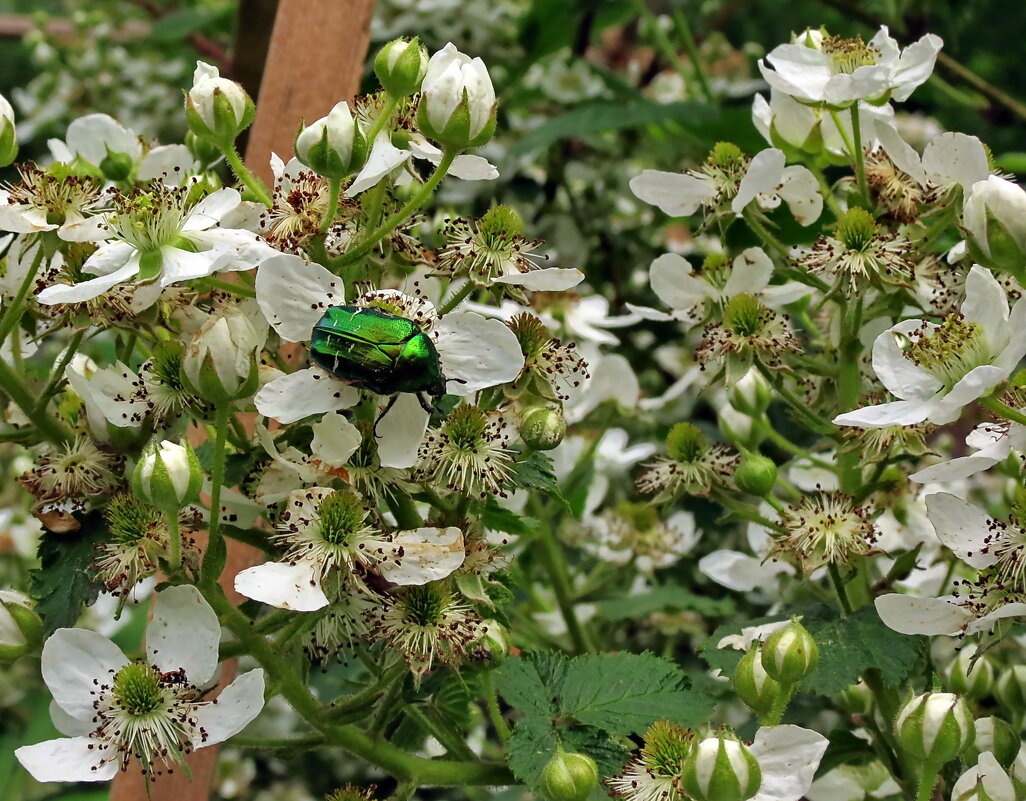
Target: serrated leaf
533,743
65,583
507,521
625,693
664,599
535,472
850,646
532,682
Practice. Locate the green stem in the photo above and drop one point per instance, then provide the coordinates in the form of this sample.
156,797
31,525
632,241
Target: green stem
811,419
383,118
827,192
228,286
494,712
684,28
1003,410
404,509
442,773
57,376
267,743
926,783
334,189
411,205
456,298
849,389
842,593
776,713
858,155
345,704
254,184
848,146
670,52
53,430
12,314
174,541
441,730
555,565
214,558
768,239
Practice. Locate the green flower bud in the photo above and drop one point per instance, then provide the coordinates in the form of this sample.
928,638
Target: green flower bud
756,474
856,699
1011,688
934,728
333,146
116,166
738,427
996,736
21,629
216,109
204,152
8,134
543,428
168,476
789,653
457,101
751,394
754,685
220,363
721,768
569,777
401,66
968,677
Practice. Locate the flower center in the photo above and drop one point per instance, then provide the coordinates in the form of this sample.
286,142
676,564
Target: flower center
137,689
743,316
826,528
856,229
131,521
667,745
55,191
152,219
950,350
847,55
1007,542
685,443
466,427
716,270
341,518
424,605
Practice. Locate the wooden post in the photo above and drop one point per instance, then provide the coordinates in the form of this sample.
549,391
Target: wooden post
316,58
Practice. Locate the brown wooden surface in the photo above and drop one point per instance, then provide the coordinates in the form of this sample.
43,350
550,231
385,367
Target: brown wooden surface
315,60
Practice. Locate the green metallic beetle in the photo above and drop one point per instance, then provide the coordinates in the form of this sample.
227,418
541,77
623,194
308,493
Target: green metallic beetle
371,349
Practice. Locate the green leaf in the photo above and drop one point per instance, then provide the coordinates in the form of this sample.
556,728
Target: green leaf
535,472
65,582
725,659
507,521
533,682
850,646
667,598
625,693
534,742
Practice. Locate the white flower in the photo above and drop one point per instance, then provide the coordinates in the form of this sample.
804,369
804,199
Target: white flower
48,199
992,442
387,159
934,369
325,533
768,181
985,781
457,101
333,145
692,294
783,121
948,160
112,709
788,757
474,353
831,70
110,395
995,206
161,238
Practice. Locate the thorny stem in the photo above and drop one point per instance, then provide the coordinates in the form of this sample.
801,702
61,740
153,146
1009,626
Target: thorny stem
243,173
555,565
334,189
768,239
827,192
213,562
414,203
53,430
12,314
492,700
927,782
443,773
849,388
814,422
1003,410
858,155
456,298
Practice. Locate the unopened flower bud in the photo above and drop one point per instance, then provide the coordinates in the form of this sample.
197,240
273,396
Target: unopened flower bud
457,101
856,699
217,109
935,728
751,394
495,642
738,427
1011,688
996,736
204,151
543,428
116,166
790,653
220,363
995,218
721,768
8,134
168,476
401,66
569,777
20,626
333,146
971,675
754,685
756,474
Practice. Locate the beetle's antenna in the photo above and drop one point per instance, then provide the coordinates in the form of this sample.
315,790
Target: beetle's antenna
457,380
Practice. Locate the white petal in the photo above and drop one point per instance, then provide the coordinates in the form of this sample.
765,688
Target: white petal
69,759
548,279
897,413
87,229
988,773
235,708
763,175
676,194
384,157
985,300
184,634
750,273
109,258
962,527
294,293
915,65
67,725
974,384
209,211
305,392
335,439
788,756
401,431
956,158
953,470
738,571
902,153
423,555
87,290
901,377
285,586
931,616
800,190
480,352
72,661
675,283
473,168
1001,613
184,265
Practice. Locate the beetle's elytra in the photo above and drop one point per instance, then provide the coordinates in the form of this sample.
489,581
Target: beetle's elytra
374,350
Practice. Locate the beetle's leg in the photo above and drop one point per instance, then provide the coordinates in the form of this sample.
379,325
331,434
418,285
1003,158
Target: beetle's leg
386,410
427,407
457,380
